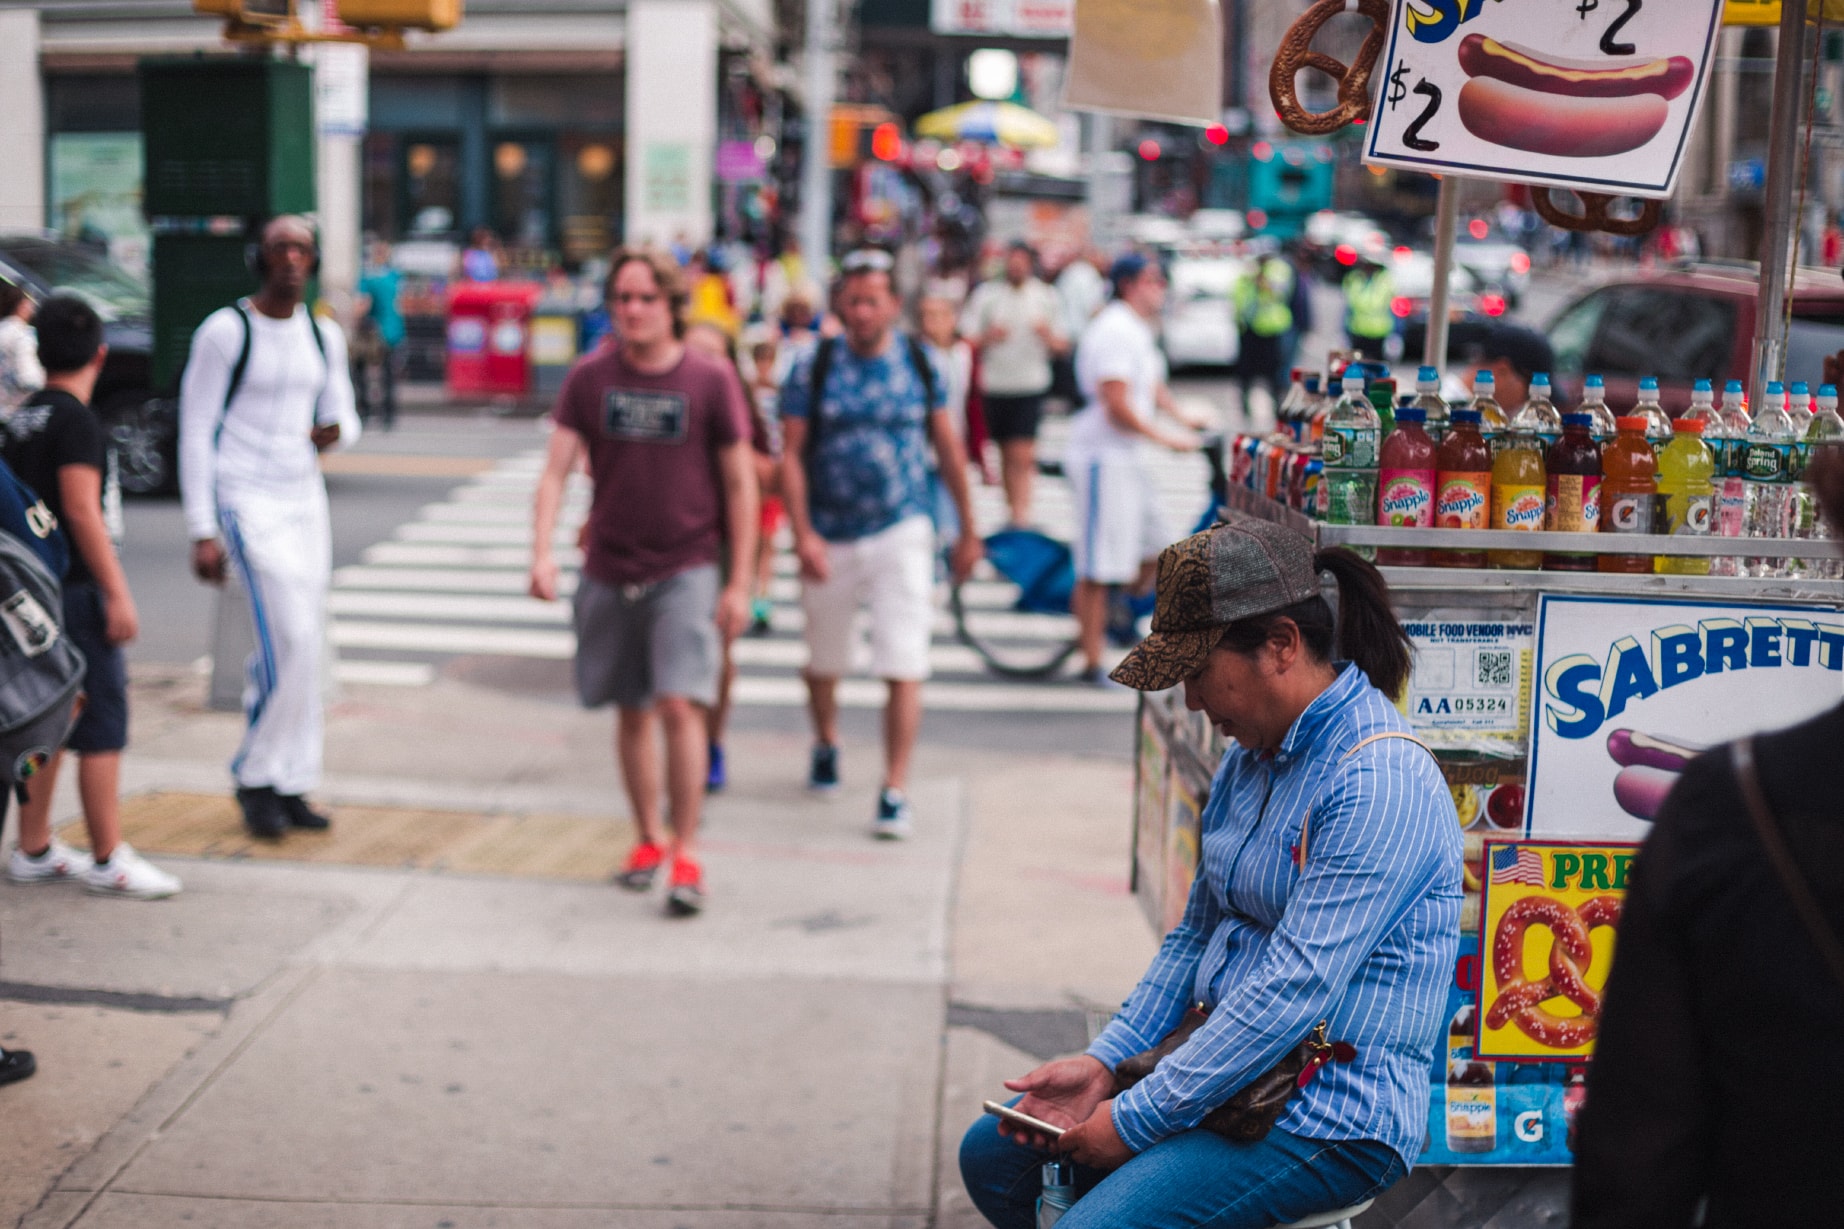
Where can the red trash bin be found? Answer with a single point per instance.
(489, 331)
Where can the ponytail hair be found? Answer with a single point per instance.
(1366, 630)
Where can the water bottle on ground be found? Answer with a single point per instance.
(1686, 470)
(1658, 423)
(1538, 415)
(1059, 1193)
(1824, 437)
(1767, 469)
(1594, 404)
(1352, 432)
(1433, 406)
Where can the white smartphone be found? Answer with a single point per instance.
(1019, 1119)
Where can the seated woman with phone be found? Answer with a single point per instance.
(1273, 1062)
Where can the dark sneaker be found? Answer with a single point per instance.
(685, 888)
(262, 812)
(823, 772)
(759, 624)
(636, 874)
(16, 1065)
(893, 815)
(715, 779)
(300, 815)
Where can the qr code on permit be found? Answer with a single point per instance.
(1494, 668)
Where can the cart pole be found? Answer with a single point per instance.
(1782, 165)
(1446, 218)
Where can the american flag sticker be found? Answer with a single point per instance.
(1517, 864)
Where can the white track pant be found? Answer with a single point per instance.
(282, 552)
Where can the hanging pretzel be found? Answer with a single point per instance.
(1595, 213)
(1296, 52)
(1520, 1001)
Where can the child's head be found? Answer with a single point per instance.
(69, 334)
(937, 318)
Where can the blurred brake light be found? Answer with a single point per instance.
(1345, 254)
(1477, 228)
(1403, 253)
(1520, 262)
(1400, 307)
(1492, 304)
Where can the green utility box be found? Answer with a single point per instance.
(195, 275)
(227, 138)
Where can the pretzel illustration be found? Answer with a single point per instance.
(1520, 1001)
(1595, 215)
(1353, 83)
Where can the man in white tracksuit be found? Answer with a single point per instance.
(266, 389)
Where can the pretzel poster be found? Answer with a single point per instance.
(1629, 691)
(1547, 921)
(1592, 94)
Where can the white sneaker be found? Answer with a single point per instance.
(893, 816)
(127, 873)
(57, 864)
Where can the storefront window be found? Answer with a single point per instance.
(431, 185)
(522, 191)
(589, 195)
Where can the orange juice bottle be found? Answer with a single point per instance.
(1519, 490)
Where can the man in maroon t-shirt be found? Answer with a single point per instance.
(667, 436)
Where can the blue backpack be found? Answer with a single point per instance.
(24, 515)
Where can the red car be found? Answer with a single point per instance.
(1687, 325)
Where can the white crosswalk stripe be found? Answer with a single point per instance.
(452, 583)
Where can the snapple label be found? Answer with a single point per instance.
(1518, 507)
(1462, 502)
(1405, 498)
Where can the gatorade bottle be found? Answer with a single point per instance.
(1538, 416)
(1629, 490)
(1518, 494)
(1572, 502)
(1658, 423)
(1767, 476)
(1594, 404)
(1727, 440)
(1433, 406)
(1825, 437)
(1492, 422)
(1351, 431)
(1463, 480)
(1405, 485)
(1685, 471)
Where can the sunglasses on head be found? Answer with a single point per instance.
(867, 260)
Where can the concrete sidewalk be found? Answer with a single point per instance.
(305, 1044)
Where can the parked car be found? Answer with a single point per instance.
(1333, 241)
(1496, 262)
(1200, 314)
(1690, 324)
(144, 427)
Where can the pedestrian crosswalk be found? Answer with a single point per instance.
(452, 583)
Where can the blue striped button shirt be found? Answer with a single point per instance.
(1364, 937)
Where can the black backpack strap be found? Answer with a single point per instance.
(243, 356)
(816, 393)
(925, 370)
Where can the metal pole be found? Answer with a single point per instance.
(1446, 218)
(1782, 164)
(816, 164)
(1100, 191)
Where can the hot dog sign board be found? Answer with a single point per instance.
(1590, 94)
(1628, 691)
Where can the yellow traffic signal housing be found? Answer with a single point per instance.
(400, 14)
(249, 12)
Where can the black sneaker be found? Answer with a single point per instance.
(262, 812)
(16, 1065)
(300, 815)
(823, 773)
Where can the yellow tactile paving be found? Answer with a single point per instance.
(526, 846)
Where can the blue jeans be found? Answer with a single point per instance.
(1193, 1179)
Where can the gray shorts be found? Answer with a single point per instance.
(635, 642)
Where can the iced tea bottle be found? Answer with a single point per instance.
(1405, 485)
(1518, 496)
(1629, 489)
(1463, 486)
(1573, 499)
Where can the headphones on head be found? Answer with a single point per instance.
(258, 264)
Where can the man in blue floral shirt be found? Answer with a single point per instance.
(858, 415)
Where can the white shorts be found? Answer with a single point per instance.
(891, 573)
(1119, 524)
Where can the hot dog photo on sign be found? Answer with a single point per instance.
(1597, 94)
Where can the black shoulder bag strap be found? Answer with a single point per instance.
(1748, 777)
(925, 371)
(816, 395)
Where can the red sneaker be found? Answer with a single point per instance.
(685, 887)
(642, 863)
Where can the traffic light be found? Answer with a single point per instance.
(886, 142)
(400, 14)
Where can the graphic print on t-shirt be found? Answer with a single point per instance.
(649, 417)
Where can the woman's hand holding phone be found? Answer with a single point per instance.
(1062, 1092)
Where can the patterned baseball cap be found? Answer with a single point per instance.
(1236, 570)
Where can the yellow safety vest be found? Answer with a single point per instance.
(1262, 299)
(1367, 300)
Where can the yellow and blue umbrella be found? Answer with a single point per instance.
(993, 123)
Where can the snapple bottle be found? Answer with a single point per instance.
(1518, 493)
(1629, 489)
(1405, 485)
(1463, 486)
(1573, 503)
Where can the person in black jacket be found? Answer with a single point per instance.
(1718, 1078)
